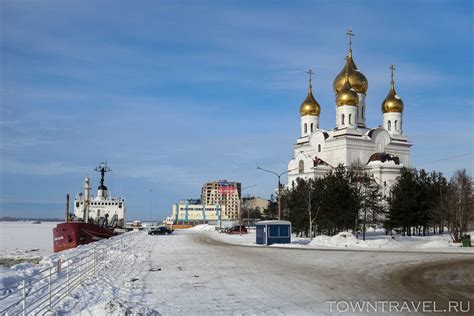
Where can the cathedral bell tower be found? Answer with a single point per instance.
(309, 111)
(392, 109)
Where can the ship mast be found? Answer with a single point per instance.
(102, 168)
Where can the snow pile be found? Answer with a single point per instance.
(8, 280)
(321, 240)
(204, 228)
(346, 239)
(117, 307)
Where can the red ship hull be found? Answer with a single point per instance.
(73, 234)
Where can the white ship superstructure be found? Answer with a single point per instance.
(102, 209)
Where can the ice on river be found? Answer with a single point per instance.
(25, 240)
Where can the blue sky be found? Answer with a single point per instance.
(176, 93)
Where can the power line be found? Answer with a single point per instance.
(443, 159)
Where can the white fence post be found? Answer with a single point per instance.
(67, 276)
(95, 260)
(49, 286)
(23, 303)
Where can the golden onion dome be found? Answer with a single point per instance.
(347, 95)
(392, 103)
(310, 106)
(357, 79)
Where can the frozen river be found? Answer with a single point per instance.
(26, 240)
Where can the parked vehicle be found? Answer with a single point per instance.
(237, 230)
(162, 230)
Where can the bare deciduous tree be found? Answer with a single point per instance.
(460, 208)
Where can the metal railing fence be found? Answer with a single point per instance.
(38, 293)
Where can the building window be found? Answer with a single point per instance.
(342, 119)
(319, 147)
(389, 125)
(301, 167)
(362, 112)
(395, 125)
(350, 119)
(311, 127)
(305, 128)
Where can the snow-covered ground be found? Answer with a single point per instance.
(375, 240)
(195, 272)
(25, 241)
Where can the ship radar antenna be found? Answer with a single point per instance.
(102, 168)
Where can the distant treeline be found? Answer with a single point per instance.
(29, 219)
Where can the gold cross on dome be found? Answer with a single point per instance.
(392, 69)
(349, 32)
(310, 73)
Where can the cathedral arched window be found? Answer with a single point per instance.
(301, 166)
(319, 147)
(305, 128)
(350, 119)
(389, 125)
(342, 119)
(395, 125)
(311, 127)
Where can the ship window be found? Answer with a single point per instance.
(120, 205)
(77, 204)
(82, 203)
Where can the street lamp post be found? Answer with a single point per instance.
(151, 206)
(240, 208)
(279, 186)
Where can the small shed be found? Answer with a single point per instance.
(273, 232)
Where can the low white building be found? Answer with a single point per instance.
(192, 212)
(382, 151)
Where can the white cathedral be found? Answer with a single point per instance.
(381, 151)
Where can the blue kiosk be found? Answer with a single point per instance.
(273, 232)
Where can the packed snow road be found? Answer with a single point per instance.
(192, 273)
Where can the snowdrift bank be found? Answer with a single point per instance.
(345, 239)
(203, 228)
